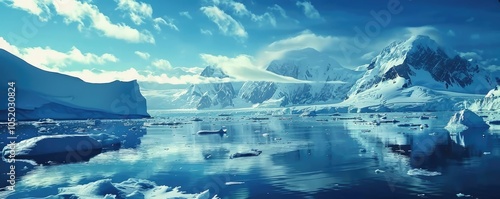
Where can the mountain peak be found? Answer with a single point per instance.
(421, 61)
(212, 71)
(418, 43)
(422, 40)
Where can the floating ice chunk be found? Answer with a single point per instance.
(253, 152)
(234, 183)
(45, 122)
(55, 148)
(309, 114)
(132, 188)
(208, 132)
(460, 195)
(422, 172)
(464, 120)
(43, 130)
(265, 134)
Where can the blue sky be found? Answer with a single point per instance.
(171, 41)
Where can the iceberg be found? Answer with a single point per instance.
(54, 148)
(43, 94)
(464, 120)
(131, 188)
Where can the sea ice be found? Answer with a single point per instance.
(55, 148)
(422, 172)
(131, 188)
(464, 120)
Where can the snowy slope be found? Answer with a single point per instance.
(43, 94)
(210, 95)
(306, 64)
(421, 61)
(490, 102)
(421, 74)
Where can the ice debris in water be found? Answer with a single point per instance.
(460, 195)
(234, 183)
(422, 172)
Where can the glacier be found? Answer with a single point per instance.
(131, 188)
(325, 81)
(208, 95)
(415, 74)
(418, 74)
(490, 102)
(43, 94)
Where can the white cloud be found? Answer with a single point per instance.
(493, 68)
(162, 64)
(185, 14)
(309, 10)
(35, 7)
(169, 22)
(243, 68)
(305, 39)
(143, 55)
(138, 11)
(205, 32)
(74, 11)
(369, 55)
(280, 10)
(430, 31)
(49, 59)
(103, 76)
(227, 24)
(471, 56)
(239, 9)
(252, 68)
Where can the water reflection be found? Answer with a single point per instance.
(300, 157)
(112, 135)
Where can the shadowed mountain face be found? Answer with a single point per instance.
(441, 67)
(423, 62)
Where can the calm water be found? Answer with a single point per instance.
(301, 158)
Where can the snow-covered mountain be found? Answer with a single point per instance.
(210, 95)
(491, 102)
(419, 70)
(319, 72)
(42, 94)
